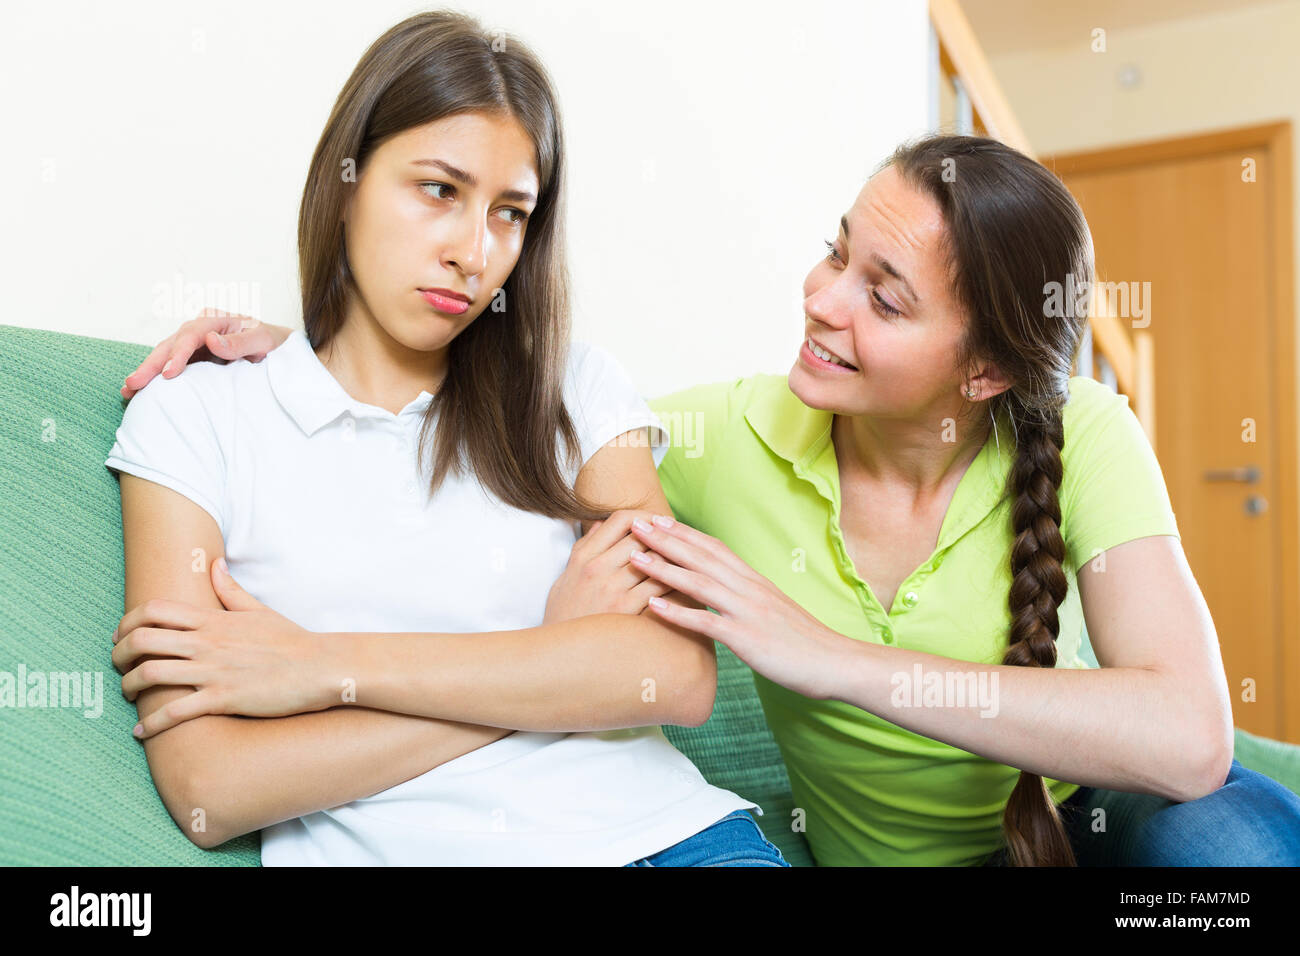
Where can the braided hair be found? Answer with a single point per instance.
(1011, 229)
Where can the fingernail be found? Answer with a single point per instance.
(640, 557)
(641, 525)
(114, 635)
(167, 366)
(664, 521)
(658, 602)
(220, 565)
(139, 728)
(221, 339)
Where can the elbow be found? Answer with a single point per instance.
(693, 673)
(205, 841)
(190, 765)
(191, 807)
(698, 701)
(205, 813)
(1218, 755)
(1213, 748)
(195, 805)
(699, 712)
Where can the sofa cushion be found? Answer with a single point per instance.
(77, 787)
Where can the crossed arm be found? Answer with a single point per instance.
(580, 674)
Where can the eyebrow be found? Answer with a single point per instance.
(468, 179)
(885, 265)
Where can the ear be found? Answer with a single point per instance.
(988, 382)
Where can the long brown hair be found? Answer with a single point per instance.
(500, 407)
(1011, 228)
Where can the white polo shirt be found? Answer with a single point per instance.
(325, 519)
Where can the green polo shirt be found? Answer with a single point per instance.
(753, 466)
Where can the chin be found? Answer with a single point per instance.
(822, 394)
(428, 334)
(806, 387)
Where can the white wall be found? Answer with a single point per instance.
(154, 156)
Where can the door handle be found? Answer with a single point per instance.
(1248, 475)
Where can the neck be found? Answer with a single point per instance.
(375, 368)
(916, 455)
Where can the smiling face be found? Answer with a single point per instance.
(442, 206)
(880, 301)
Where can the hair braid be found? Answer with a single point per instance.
(1032, 824)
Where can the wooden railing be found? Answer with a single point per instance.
(969, 100)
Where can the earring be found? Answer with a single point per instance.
(970, 392)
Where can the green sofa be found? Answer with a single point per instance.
(75, 786)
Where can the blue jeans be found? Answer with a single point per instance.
(735, 840)
(1251, 820)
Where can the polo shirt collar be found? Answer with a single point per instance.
(312, 396)
(788, 426)
(802, 436)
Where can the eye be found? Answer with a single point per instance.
(881, 305)
(436, 186)
(885, 307)
(522, 216)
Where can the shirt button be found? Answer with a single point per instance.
(886, 635)
(910, 599)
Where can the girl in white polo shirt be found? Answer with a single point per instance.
(398, 492)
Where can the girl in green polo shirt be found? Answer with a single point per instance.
(906, 536)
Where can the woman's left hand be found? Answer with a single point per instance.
(246, 659)
(762, 626)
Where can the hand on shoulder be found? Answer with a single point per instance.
(213, 336)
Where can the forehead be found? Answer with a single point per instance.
(899, 222)
(490, 140)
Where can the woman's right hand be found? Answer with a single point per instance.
(598, 578)
(214, 336)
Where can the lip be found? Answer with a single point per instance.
(810, 357)
(445, 300)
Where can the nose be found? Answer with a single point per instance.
(827, 306)
(466, 248)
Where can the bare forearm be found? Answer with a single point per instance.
(599, 672)
(1121, 728)
(259, 771)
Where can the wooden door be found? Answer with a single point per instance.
(1193, 227)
